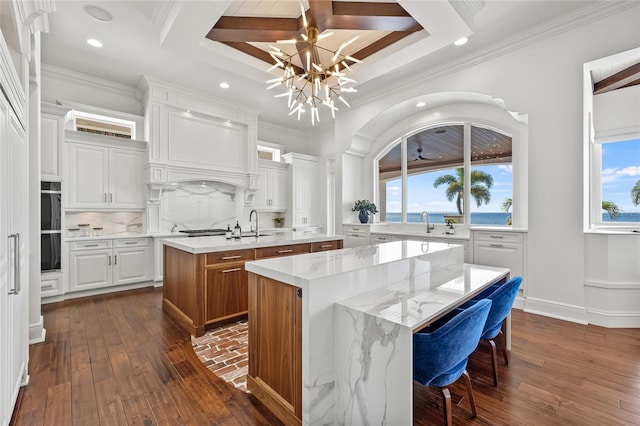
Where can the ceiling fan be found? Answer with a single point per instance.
(419, 157)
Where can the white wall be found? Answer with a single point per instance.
(543, 79)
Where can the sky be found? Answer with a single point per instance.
(423, 196)
(620, 172)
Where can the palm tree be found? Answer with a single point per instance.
(612, 209)
(481, 182)
(506, 205)
(635, 194)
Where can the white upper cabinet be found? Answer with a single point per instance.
(125, 179)
(52, 136)
(272, 187)
(304, 189)
(101, 177)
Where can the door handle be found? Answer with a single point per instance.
(326, 246)
(231, 270)
(115, 259)
(110, 197)
(284, 251)
(105, 197)
(16, 263)
(230, 257)
(109, 261)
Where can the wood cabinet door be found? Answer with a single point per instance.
(275, 344)
(226, 292)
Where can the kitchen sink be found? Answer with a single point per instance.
(253, 234)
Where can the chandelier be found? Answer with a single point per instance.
(313, 75)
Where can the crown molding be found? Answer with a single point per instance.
(75, 77)
(552, 28)
(265, 125)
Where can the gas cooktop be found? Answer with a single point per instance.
(203, 232)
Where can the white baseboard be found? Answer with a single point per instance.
(556, 310)
(614, 319)
(37, 332)
(98, 291)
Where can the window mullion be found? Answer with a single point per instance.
(403, 163)
(467, 173)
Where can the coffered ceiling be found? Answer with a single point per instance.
(194, 44)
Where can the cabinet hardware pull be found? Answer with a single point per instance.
(230, 257)
(231, 270)
(110, 197)
(16, 263)
(115, 259)
(285, 251)
(131, 242)
(90, 245)
(496, 245)
(496, 236)
(105, 197)
(299, 292)
(356, 235)
(326, 246)
(109, 261)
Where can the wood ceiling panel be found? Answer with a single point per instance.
(627, 77)
(442, 147)
(379, 24)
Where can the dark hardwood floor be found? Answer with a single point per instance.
(117, 360)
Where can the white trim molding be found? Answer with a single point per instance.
(562, 311)
(37, 332)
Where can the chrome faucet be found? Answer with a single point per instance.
(429, 226)
(257, 222)
(173, 228)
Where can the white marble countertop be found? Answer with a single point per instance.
(198, 245)
(442, 235)
(301, 269)
(409, 305)
(497, 228)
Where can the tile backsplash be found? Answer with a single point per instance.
(113, 223)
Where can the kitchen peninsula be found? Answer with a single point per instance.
(205, 282)
(330, 334)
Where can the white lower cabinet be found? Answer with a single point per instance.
(51, 284)
(500, 248)
(107, 263)
(448, 240)
(356, 235)
(384, 238)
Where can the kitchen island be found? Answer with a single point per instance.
(205, 282)
(330, 334)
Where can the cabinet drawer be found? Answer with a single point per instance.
(229, 256)
(348, 229)
(264, 252)
(90, 245)
(326, 245)
(506, 237)
(381, 238)
(134, 242)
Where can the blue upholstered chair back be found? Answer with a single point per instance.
(502, 300)
(440, 356)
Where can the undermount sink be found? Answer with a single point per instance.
(253, 234)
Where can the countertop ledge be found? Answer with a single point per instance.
(201, 245)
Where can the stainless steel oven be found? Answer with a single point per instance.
(50, 226)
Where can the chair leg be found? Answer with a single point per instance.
(446, 402)
(472, 400)
(503, 331)
(494, 362)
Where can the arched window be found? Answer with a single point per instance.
(442, 169)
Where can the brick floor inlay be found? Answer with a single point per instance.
(225, 352)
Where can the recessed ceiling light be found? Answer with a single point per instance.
(97, 13)
(224, 85)
(93, 42)
(421, 104)
(461, 41)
